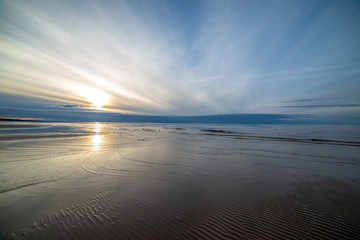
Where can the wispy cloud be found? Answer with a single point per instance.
(315, 100)
(71, 106)
(325, 106)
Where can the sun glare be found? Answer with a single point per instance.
(96, 97)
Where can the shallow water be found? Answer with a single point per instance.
(172, 181)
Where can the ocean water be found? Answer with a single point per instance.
(179, 181)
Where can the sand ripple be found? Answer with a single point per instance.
(185, 214)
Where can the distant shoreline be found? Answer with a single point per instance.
(20, 119)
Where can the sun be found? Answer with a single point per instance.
(95, 96)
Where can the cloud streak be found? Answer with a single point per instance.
(325, 106)
(316, 100)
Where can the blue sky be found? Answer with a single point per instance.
(181, 57)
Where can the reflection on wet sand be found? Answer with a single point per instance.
(135, 182)
(97, 142)
(97, 138)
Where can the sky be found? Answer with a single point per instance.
(179, 57)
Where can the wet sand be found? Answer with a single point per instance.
(129, 181)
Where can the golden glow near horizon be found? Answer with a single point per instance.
(95, 96)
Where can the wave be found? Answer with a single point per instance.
(283, 139)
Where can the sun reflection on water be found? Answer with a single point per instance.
(97, 128)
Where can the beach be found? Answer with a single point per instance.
(179, 181)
